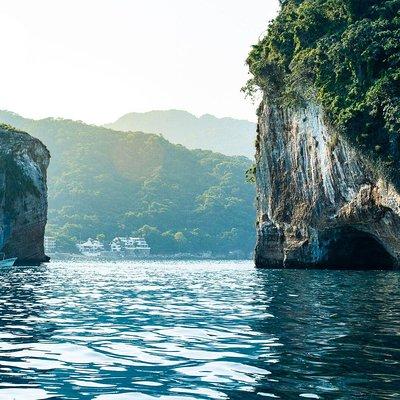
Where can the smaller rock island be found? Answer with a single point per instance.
(23, 196)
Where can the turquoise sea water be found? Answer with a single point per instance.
(197, 330)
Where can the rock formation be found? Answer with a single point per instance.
(319, 202)
(23, 196)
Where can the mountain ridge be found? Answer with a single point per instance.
(225, 135)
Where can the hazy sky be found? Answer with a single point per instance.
(95, 60)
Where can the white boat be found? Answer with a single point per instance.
(6, 262)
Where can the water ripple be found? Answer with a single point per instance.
(197, 330)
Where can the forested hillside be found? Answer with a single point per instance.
(105, 183)
(224, 135)
(344, 54)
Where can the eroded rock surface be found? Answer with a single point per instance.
(319, 203)
(23, 195)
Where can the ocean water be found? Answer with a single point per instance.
(197, 330)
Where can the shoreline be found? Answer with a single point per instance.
(158, 257)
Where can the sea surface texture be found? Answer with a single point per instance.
(197, 330)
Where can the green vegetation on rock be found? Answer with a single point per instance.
(105, 183)
(344, 54)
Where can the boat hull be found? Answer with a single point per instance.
(8, 262)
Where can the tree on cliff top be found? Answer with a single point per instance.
(345, 54)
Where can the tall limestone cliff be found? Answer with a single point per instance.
(328, 145)
(319, 203)
(23, 196)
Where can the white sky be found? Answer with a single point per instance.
(95, 60)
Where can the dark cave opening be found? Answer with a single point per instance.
(349, 248)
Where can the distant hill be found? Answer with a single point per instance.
(105, 183)
(224, 135)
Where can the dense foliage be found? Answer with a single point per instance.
(346, 55)
(104, 183)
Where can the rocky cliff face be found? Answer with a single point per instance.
(319, 202)
(23, 195)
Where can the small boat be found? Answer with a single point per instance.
(6, 262)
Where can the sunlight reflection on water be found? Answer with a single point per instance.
(197, 330)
